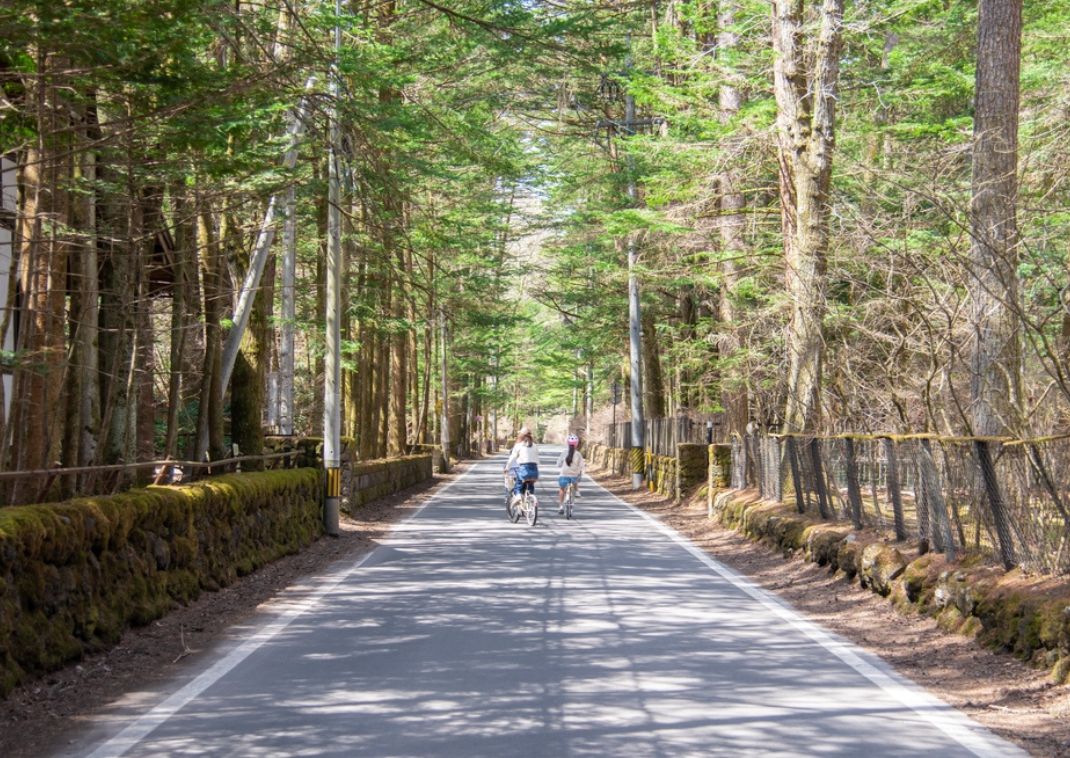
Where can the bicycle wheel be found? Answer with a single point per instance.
(513, 509)
(568, 501)
(531, 509)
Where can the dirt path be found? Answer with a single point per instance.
(35, 717)
(997, 690)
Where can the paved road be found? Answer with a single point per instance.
(466, 635)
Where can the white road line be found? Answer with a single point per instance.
(148, 722)
(959, 727)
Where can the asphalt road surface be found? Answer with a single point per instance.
(467, 635)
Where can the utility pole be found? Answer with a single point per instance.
(444, 424)
(332, 384)
(635, 331)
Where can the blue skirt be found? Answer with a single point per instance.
(522, 472)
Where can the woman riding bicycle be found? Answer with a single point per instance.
(570, 469)
(523, 463)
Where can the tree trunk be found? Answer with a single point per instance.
(185, 240)
(733, 385)
(653, 378)
(42, 271)
(210, 411)
(995, 388)
(805, 82)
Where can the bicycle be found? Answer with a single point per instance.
(570, 498)
(527, 506)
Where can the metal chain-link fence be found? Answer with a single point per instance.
(1007, 499)
(662, 435)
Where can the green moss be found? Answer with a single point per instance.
(950, 619)
(917, 581)
(89, 567)
(1060, 672)
(971, 627)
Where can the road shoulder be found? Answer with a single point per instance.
(36, 718)
(1011, 699)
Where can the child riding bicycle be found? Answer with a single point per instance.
(570, 469)
(523, 463)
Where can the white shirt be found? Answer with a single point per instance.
(576, 469)
(523, 453)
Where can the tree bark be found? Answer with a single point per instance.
(42, 272)
(732, 204)
(210, 411)
(653, 378)
(995, 387)
(805, 84)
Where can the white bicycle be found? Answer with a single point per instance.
(570, 499)
(527, 505)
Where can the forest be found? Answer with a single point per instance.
(798, 216)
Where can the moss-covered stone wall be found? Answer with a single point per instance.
(661, 474)
(370, 480)
(1024, 615)
(74, 574)
(613, 459)
(661, 470)
(693, 462)
(438, 462)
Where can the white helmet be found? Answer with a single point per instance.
(573, 440)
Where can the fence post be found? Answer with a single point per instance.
(854, 490)
(934, 497)
(995, 503)
(796, 477)
(819, 478)
(737, 476)
(773, 468)
(754, 457)
(894, 493)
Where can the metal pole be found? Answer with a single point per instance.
(444, 425)
(332, 410)
(635, 333)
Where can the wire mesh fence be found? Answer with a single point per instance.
(662, 435)
(1007, 499)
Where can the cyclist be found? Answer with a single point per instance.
(570, 466)
(523, 463)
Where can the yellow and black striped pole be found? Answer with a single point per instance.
(332, 502)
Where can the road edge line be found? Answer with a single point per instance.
(970, 734)
(145, 724)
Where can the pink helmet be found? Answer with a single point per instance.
(573, 440)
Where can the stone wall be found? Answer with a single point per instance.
(438, 462)
(661, 474)
(371, 480)
(74, 575)
(364, 481)
(1009, 610)
(692, 466)
(665, 474)
(612, 459)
